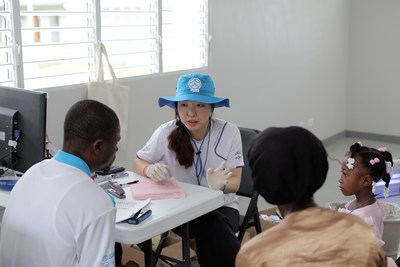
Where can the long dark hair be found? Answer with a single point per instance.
(179, 142)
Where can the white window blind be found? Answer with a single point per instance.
(129, 30)
(57, 41)
(6, 49)
(184, 34)
(46, 43)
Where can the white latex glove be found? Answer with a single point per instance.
(157, 172)
(218, 176)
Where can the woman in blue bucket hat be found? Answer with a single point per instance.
(200, 149)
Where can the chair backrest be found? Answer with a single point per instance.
(246, 189)
(246, 184)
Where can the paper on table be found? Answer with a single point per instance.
(146, 188)
(127, 208)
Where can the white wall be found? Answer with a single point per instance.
(281, 61)
(374, 71)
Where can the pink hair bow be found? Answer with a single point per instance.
(373, 161)
(382, 149)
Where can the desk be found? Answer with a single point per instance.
(167, 214)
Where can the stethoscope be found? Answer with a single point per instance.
(198, 163)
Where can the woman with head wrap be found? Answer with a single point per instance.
(289, 165)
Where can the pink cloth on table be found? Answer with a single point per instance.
(146, 188)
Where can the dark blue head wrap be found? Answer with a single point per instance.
(288, 164)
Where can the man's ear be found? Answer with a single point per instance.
(97, 146)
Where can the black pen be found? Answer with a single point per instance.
(136, 215)
(133, 182)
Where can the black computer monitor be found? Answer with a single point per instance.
(22, 128)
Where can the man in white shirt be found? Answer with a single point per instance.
(56, 214)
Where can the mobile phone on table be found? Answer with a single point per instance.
(140, 218)
(111, 170)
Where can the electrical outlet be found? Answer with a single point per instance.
(302, 124)
(310, 122)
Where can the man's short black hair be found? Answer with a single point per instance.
(88, 120)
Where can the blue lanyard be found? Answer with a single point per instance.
(219, 139)
(198, 164)
(360, 205)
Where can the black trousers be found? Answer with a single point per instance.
(118, 253)
(214, 232)
(216, 242)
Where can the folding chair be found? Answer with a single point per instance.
(251, 217)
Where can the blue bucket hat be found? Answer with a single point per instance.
(194, 87)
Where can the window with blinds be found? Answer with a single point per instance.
(47, 43)
(57, 41)
(7, 57)
(184, 34)
(130, 32)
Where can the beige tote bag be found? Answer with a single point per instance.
(110, 92)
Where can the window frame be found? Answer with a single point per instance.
(18, 75)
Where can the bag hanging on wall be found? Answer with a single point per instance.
(110, 92)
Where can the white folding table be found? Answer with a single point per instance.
(166, 215)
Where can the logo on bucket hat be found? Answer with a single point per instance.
(194, 85)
